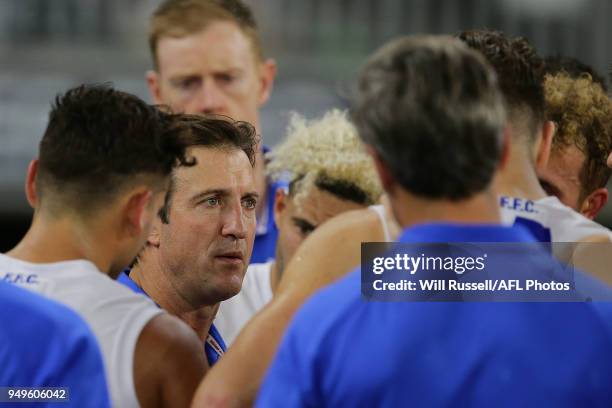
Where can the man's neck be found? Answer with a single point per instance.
(518, 178)
(149, 276)
(63, 239)
(411, 210)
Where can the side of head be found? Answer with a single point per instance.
(577, 172)
(206, 228)
(520, 73)
(329, 172)
(208, 58)
(104, 152)
(430, 110)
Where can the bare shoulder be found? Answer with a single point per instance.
(168, 362)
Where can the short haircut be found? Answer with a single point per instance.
(326, 153)
(520, 73)
(214, 132)
(432, 110)
(99, 141)
(582, 113)
(180, 18)
(573, 67)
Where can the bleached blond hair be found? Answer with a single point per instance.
(321, 152)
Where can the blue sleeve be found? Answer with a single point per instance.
(288, 381)
(45, 344)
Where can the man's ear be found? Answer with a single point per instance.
(30, 184)
(280, 203)
(594, 203)
(153, 83)
(543, 148)
(136, 212)
(267, 73)
(385, 176)
(154, 236)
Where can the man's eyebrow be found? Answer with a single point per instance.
(251, 194)
(302, 223)
(210, 192)
(221, 192)
(183, 77)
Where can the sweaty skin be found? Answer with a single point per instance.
(328, 254)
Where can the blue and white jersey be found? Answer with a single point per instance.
(341, 350)
(266, 233)
(214, 346)
(114, 313)
(44, 344)
(549, 220)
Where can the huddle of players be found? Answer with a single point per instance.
(447, 132)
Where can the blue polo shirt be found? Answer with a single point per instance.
(343, 351)
(44, 344)
(214, 346)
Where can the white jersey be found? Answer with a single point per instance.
(235, 312)
(549, 219)
(115, 314)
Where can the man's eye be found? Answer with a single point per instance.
(250, 203)
(212, 202)
(226, 78)
(187, 83)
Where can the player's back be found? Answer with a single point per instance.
(550, 220)
(44, 344)
(344, 351)
(115, 314)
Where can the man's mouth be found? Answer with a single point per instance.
(230, 257)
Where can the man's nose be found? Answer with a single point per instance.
(210, 99)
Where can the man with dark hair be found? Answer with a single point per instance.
(198, 250)
(577, 172)
(101, 175)
(523, 200)
(329, 173)
(208, 59)
(45, 344)
(423, 102)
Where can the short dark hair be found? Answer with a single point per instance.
(99, 140)
(520, 73)
(573, 67)
(179, 18)
(431, 109)
(215, 132)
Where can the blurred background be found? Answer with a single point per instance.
(47, 46)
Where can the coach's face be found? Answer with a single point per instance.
(213, 71)
(206, 245)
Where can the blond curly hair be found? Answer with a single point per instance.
(582, 113)
(326, 153)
